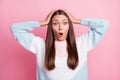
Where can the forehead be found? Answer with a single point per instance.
(59, 18)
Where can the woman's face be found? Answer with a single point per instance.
(60, 27)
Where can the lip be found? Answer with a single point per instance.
(60, 33)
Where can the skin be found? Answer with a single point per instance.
(60, 27)
(60, 24)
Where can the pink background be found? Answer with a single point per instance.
(18, 64)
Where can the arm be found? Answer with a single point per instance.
(97, 29)
(22, 34)
(24, 37)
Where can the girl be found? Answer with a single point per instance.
(61, 56)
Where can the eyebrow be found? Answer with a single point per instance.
(57, 20)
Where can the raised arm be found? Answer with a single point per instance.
(22, 34)
(97, 29)
(24, 37)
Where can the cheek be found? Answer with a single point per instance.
(54, 30)
(66, 32)
(66, 29)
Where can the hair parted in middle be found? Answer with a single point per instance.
(72, 60)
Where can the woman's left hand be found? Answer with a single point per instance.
(73, 19)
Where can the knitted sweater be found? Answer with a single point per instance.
(36, 45)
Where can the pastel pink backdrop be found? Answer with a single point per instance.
(18, 64)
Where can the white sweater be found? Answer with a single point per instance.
(36, 45)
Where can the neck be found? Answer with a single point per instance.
(61, 48)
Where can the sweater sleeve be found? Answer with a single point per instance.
(22, 34)
(97, 29)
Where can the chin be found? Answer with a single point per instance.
(61, 39)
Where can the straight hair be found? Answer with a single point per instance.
(72, 60)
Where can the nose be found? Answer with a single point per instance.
(60, 27)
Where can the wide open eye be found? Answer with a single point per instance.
(55, 24)
(65, 23)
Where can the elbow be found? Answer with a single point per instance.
(13, 28)
(106, 24)
(104, 27)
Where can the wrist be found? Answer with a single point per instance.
(43, 23)
(76, 21)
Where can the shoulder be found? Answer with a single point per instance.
(83, 42)
(38, 44)
(83, 39)
(38, 41)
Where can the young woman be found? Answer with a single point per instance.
(61, 56)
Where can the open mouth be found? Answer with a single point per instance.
(60, 33)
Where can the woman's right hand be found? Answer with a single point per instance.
(47, 20)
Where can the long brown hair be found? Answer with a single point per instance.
(72, 60)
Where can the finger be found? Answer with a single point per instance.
(50, 14)
(53, 11)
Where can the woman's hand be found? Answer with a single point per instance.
(47, 20)
(73, 19)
